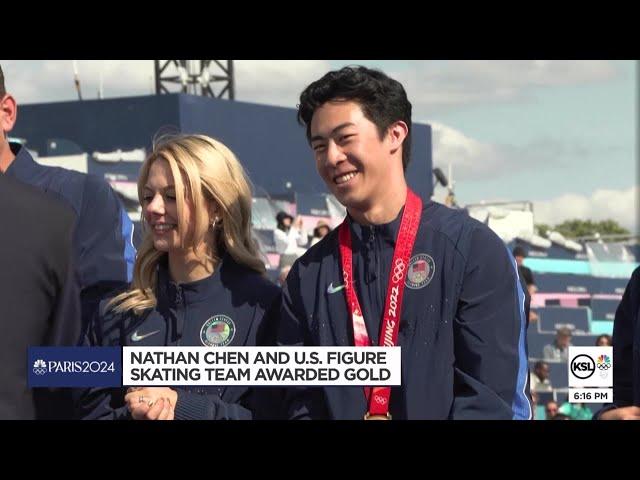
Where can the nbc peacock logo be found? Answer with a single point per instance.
(603, 362)
(39, 367)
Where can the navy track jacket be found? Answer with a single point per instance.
(232, 307)
(462, 330)
(104, 254)
(626, 348)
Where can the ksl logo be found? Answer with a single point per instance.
(583, 366)
(590, 367)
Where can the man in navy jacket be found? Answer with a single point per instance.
(104, 254)
(462, 328)
(626, 357)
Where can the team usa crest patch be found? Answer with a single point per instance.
(218, 331)
(421, 271)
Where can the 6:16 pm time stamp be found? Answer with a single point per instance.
(591, 395)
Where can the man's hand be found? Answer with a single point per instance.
(622, 413)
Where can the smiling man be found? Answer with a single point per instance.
(400, 272)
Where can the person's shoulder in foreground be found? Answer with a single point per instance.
(626, 357)
(38, 292)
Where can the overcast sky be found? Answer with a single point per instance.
(559, 133)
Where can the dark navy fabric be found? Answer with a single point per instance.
(626, 348)
(248, 299)
(104, 254)
(38, 294)
(463, 333)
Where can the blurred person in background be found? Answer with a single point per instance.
(290, 238)
(559, 349)
(322, 230)
(551, 409)
(540, 377)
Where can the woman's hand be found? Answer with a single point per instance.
(151, 403)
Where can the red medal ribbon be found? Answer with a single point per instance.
(378, 397)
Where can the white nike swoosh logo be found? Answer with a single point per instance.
(332, 289)
(136, 338)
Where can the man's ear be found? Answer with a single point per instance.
(396, 134)
(8, 113)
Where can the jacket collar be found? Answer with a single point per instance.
(387, 231)
(189, 292)
(23, 167)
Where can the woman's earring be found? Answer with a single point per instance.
(215, 221)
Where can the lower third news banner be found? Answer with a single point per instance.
(353, 366)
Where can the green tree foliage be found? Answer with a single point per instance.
(583, 228)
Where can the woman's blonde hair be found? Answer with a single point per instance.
(204, 171)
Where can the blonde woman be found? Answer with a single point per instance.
(198, 280)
